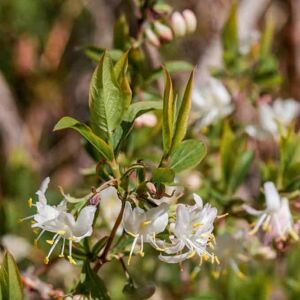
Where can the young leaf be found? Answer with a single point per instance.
(120, 70)
(240, 170)
(88, 134)
(10, 280)
(163, 175)
(183, 114)
(121, 33)
(139, 108)
(91, 284)
(105, 99)
(226, 152)
(168, 113)
(187, 155)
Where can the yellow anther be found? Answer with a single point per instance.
(71, 260)
(253, 231)
(129, 260)
(195, 225)
(35, 231)
(160, 249)
(33, 222)
(61, 256)
(141, 253)
(241, 275)
(192, 254)
(71, 238)
(212, 259)
(19, 221)
(46, 260)
(293, 234)
(211, 245)
(147, 223)
(51, 242)
(205, 257)
(61, 232)
(200, 261)
(215, 274)
(29, 202)
(217, 260)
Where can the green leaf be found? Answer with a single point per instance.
(138, 292)
(187, 155)
(88, 134)
(172, 67)
(183, 114)
(120, 70)
(121, 33)
(230, 37)
(91, 284)
(10, 281)
(241, 167)
(95, 53)
(139, 108)
(226, 153)
(105, 99)
(163, 175)
(168, 113)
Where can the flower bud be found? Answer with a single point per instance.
(151, 188)
(95, 199)
(178, 24)
(190, 20)
(164, 32)
(152, 37)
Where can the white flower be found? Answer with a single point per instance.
(110, 206)
(56, 219)
(144, 225)
(276, 219)
(192, 232)
(65, 227)
(45, 212)
(211, 102)
(274, 118)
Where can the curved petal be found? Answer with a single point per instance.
(272, 196)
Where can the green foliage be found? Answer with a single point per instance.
(91, 285)
(163, 175)
(187, 155)
(235, 160)
(105, 99)
(183, 114)
(168, 113)
(10, 281)
(88, 134)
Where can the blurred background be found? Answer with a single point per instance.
(44, 75)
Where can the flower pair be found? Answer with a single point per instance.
(191, 233)
(57, 220)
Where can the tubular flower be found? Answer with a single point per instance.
(192, 232)
(65, 228)
(211, 101)
(276, 219)
(144, 225)
(45, 212)
(274, 119)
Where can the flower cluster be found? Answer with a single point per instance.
(56, 220)
(191, 232)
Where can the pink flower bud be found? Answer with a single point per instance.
(190, 20)
(178, 24)
(164, 32)
(95, 199)
(152, 37)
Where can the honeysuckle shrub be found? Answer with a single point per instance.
(182, 198)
